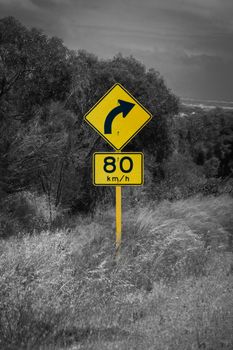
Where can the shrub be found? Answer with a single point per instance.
(182, 178)
(24, 212)
(211, 167)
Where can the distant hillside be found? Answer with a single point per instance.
(206, 104)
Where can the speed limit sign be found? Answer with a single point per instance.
(118, 169)
(118, 117)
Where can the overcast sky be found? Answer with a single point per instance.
(190, 42)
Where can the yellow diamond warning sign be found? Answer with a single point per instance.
(118, 117)
(118, 169)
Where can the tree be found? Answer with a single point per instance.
(45, 91)
(34, 70)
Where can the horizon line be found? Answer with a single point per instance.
(206, 100)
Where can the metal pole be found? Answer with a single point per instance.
(118, 219)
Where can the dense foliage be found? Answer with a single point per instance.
(45, 90)
(208, 138)
(45, 147)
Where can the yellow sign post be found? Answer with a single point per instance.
(118, 219)
(118, 117)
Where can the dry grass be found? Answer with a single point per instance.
(171, 288)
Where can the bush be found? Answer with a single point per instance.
(23, 213)
(211, 167)
(182, 178)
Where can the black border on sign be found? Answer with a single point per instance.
(116, 154)
(102, 135)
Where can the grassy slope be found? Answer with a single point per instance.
(171, 288)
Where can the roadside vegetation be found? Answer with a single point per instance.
(61, 285)
(170, 288)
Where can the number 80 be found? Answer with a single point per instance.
(110, 164)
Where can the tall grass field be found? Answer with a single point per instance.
(171, 287)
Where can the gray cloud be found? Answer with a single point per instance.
(188, 41)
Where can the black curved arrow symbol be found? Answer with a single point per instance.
(124, 108)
